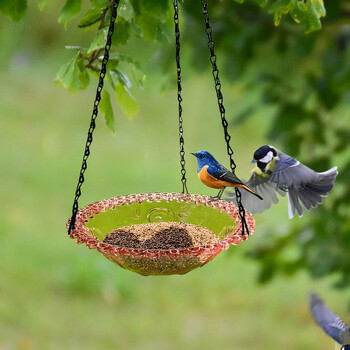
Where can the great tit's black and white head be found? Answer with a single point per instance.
(345, 347)
(263, 156)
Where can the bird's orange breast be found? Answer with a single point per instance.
(210, 181)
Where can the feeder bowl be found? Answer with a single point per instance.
(160, 233)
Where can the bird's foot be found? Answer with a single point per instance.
(218, 197)
(214, 199)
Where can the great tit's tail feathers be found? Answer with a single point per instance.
(325, 182)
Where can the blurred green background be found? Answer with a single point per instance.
(280, 87)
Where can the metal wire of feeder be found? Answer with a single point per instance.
(160, 233)
(220, 220)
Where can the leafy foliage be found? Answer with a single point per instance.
(146, 20)
(14, 9)
(107, 109)
(73, 75)
(149, 20)
(301, 11)
(69, 11)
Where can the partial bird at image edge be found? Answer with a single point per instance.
(331, 323)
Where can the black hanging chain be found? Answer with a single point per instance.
(114, 8)
(179, 98)
(209, 31)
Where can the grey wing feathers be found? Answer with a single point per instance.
(328, 321)
(267, 190)
(304, 186)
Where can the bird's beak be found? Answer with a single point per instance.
(194, 154)
(253, 161)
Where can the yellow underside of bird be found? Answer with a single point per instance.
(270, 168)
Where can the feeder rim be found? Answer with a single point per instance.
(83, 235)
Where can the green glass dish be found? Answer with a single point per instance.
(95, 221)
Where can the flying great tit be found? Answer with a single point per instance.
(277, 173)
(331, 324)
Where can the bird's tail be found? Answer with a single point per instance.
(245, 187)
(311, 194)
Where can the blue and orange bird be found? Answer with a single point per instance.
(215, 175)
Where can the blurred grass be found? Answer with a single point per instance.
(57, 295)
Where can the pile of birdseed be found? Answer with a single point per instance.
(161, 235)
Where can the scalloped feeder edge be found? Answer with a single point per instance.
(159, 261)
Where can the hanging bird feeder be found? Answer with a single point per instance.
(160, 233)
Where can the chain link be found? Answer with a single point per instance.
(114, 7)
(179, 97)
(215, 72)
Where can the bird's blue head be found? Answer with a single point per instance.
(345, 347)
(204, 158)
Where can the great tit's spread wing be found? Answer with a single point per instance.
(303, 185)
(289, 171)
(287, 175)
(328, 321)
(266, 189)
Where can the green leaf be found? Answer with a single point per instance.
(319, 7)
(313, 22)
(83, 74)
(99, 41)
(121, 33)
(107, 110)
(73, 75)
(91, 17)
(239, 1)
(277, 18)
(136, 4)
(279, 6)
(14, 9)
(69, 11)
(100, 3)
(125, 100)
(147, 25)
(42, 4)
(126, 10)
(298, 12)
(261, 3)
(138, 75)
(162, 33)
(123, 78)
(157, 8)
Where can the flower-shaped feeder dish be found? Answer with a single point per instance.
(160, 233)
